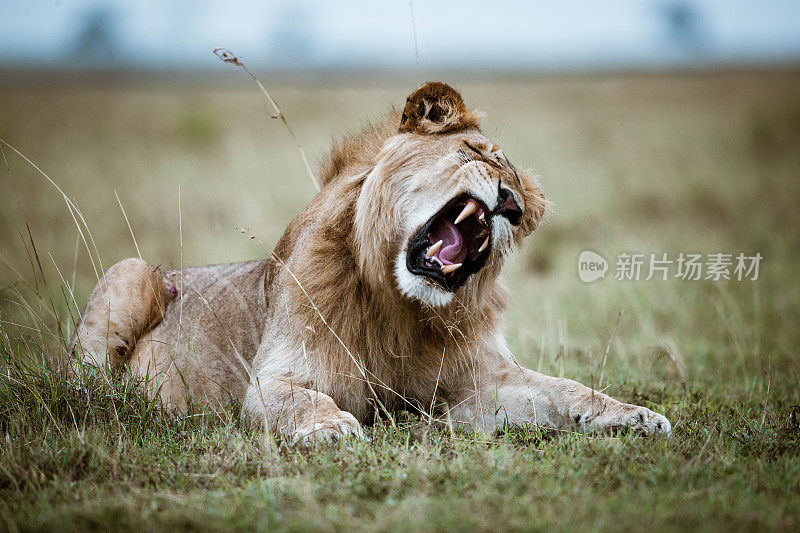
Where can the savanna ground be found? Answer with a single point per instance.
(657, 163)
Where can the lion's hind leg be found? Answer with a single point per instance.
(129, 300)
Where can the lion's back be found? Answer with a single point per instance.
(209, 333)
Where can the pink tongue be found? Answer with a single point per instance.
(453, 249)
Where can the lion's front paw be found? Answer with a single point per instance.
(648, 422)
(613, 418)
(342, 426)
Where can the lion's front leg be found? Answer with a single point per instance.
(518, 396)
(305, 415)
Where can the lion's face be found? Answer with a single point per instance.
(443, 209)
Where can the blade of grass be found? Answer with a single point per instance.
(229, 57)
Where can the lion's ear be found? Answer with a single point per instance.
(436, 108)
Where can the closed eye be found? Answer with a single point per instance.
(495, 164)
(481, 157)
(513, 168)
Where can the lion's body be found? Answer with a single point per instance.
(193, 351)
(338, 323)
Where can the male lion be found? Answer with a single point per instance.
(384, 293)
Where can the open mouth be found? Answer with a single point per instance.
(452, 244)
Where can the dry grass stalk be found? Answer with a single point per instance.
(135, 244)
(608, 347)
(766, 398)
(74, 212)
(416, 43)
(229, 57)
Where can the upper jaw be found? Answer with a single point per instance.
(464, 228)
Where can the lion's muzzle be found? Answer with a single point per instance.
(452, 244)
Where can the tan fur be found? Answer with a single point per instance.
(333, 327)
(129, 300)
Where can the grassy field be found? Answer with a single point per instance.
(700, 163)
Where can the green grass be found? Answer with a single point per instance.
(694, 163)
(103, 456)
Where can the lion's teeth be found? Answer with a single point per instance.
(482, 217)
(470, 208)
(484, 245)
(447, 269)
(433, 249)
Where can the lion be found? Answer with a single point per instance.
(383, 294)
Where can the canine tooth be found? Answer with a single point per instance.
(482, 217)
(484, 245)
(433, 249)
(471, 207)
(447, 269)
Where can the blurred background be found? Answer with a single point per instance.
(662, 126)
(355, 34)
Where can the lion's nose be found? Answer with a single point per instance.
(508, 206)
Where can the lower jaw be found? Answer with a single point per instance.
(448, 285)
(447, 282)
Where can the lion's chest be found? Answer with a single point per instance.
(402, 375)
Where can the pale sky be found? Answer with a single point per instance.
(355, 33)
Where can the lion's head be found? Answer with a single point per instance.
(440, 206)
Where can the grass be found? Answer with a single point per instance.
(669, 163)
